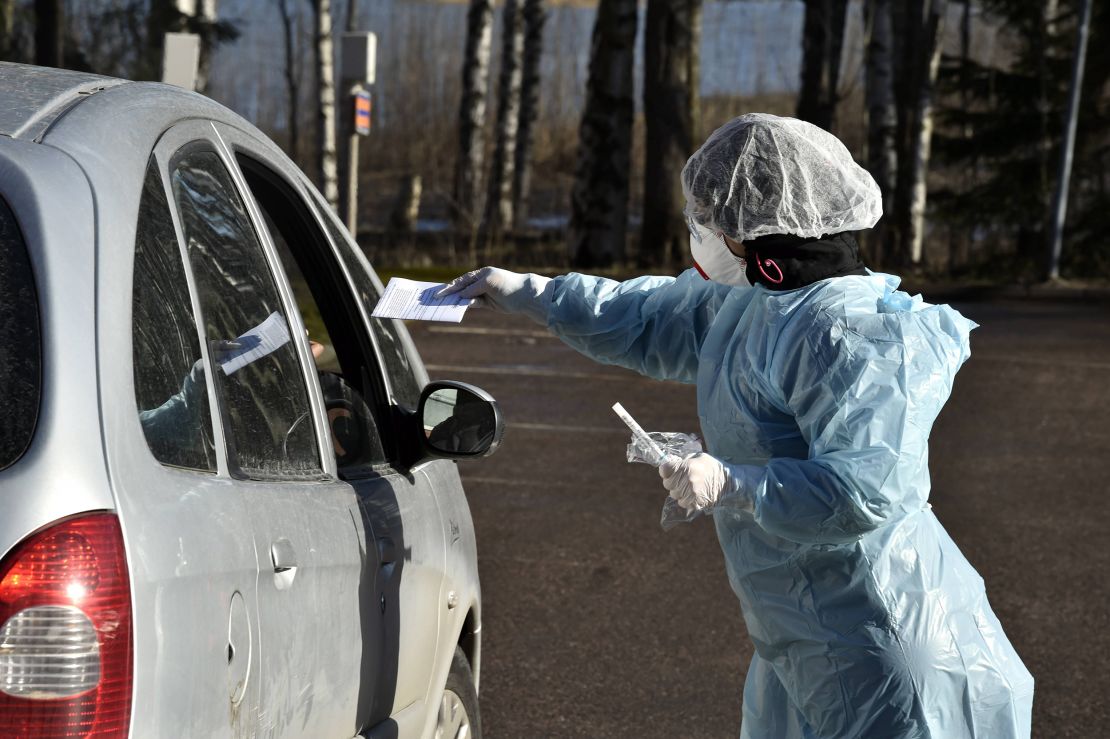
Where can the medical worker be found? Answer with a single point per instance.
(818, 383)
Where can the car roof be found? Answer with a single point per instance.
(34, 97)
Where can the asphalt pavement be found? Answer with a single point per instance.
(597, 623)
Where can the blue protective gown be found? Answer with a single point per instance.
(867, 620)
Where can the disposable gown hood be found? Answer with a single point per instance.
(760, 174)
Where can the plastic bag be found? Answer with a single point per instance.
(673, 444)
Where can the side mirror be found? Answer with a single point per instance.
(459, 421)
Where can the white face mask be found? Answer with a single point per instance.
(714, 260)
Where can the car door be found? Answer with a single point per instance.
(397, 505)
(308, 536)
(191, 552)
(422, 638)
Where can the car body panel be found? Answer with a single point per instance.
(63, 471)
(194, 570)
(409, 588)
(40, 95)
(198, 577)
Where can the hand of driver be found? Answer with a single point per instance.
(695, 481)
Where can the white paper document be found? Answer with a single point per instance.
(416, 300)
(265, 338)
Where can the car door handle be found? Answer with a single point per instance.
(387, 552)
(283, 556)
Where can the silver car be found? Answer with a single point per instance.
(228, 505)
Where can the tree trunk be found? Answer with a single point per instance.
(352, 16)
(406, 208)
(965, 59)
(907, 22)
(1047, 32)
(207, 12)
(923, 125)
(961, 238)
(7, 26)
(48, 33)
(292, 79)
(534, 18)
(671, 41)
(882, 117)
(325, 115)
(822, 44)
(472, 120)
(599, 198)
(499, 201)
(163, 16)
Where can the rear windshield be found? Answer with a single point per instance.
(20, 343)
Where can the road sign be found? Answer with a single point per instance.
(358, 56)
(180, 57)
(362, 112)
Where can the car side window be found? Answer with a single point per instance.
(20, 342)
(264, 400)
(403, 378)
(343, 354)
(170, 387)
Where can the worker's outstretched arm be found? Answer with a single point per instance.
(652, 325)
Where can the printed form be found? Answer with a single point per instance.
(262, 340)
(415, 300)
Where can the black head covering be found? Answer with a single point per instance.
(786, 262)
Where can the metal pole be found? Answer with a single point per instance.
(350, 215)
(350, 189)
(1072, 120)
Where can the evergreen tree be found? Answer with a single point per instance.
(1000, 135)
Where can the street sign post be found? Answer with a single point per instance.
(357, 67)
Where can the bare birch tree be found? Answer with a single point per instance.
(472, 119)
(822, 45)
(534, 18)
(325, 115)
(671, 40)
(599, 199)
(923, 126)
(499, 200)
(882, 115)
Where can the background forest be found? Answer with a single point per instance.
(551, 133)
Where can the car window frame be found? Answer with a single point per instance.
(384, 404)
(402, 335)
(202, 134)
(194, 308)
(356, 333)
(418, 366)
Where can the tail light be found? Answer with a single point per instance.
(65, 633)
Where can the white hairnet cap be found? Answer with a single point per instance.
(761, 174)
